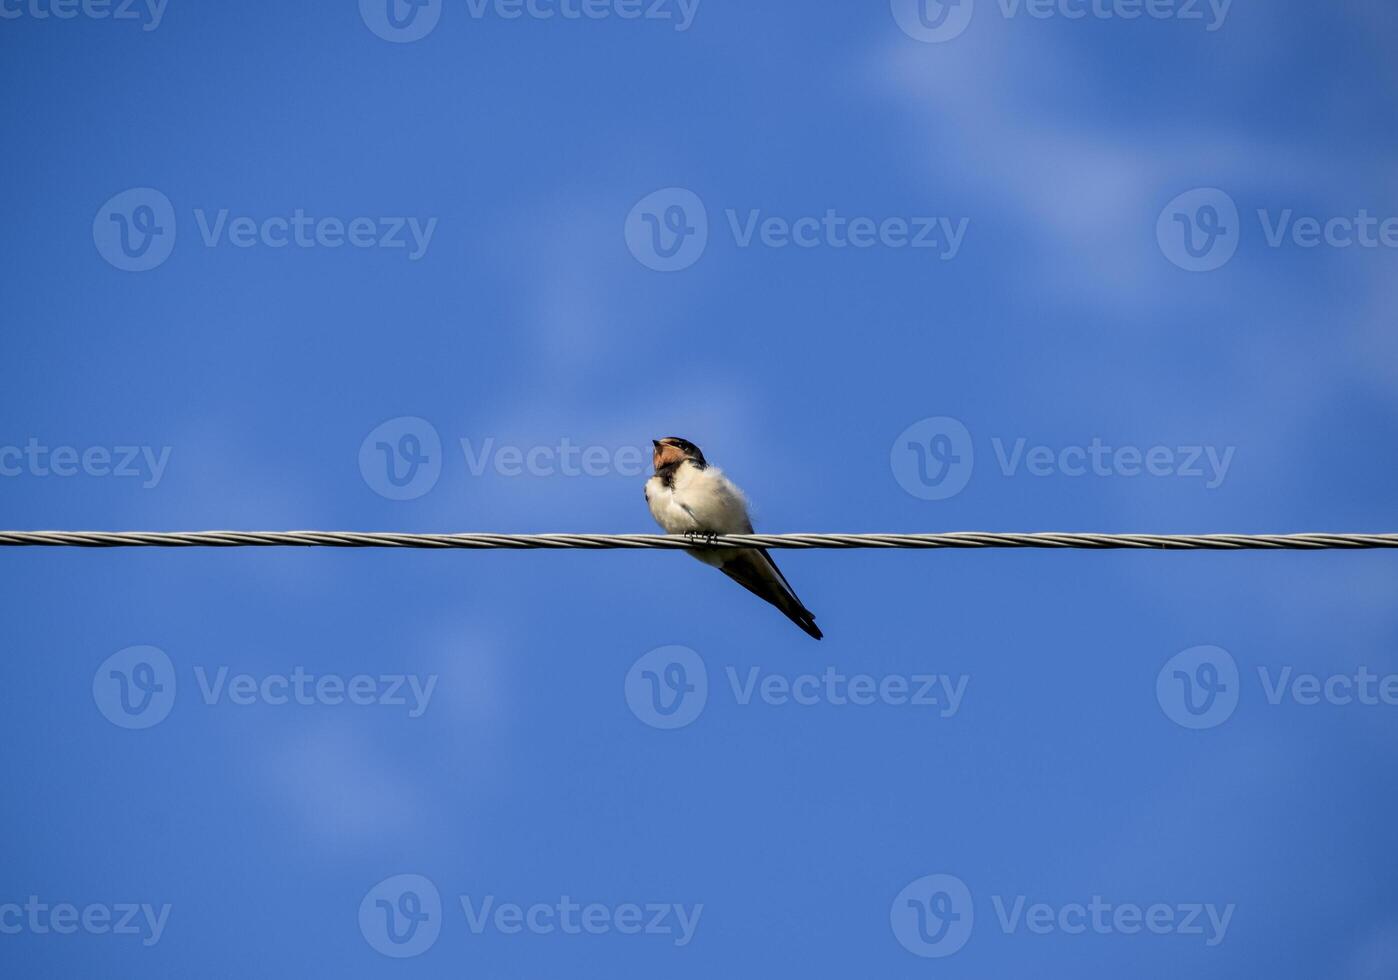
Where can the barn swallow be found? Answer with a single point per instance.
(688, 496)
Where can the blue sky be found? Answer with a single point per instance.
(1004, 269)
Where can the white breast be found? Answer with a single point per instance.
(700, 500)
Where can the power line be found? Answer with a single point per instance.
(953, 539)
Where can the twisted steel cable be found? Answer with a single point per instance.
(951, 539)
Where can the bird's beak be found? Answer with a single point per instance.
(655, 443)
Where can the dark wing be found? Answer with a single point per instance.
(754, 570)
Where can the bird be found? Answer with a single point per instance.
(687, 495)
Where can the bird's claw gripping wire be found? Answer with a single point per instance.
(702, 537)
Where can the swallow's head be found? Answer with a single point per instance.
(672, 450)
